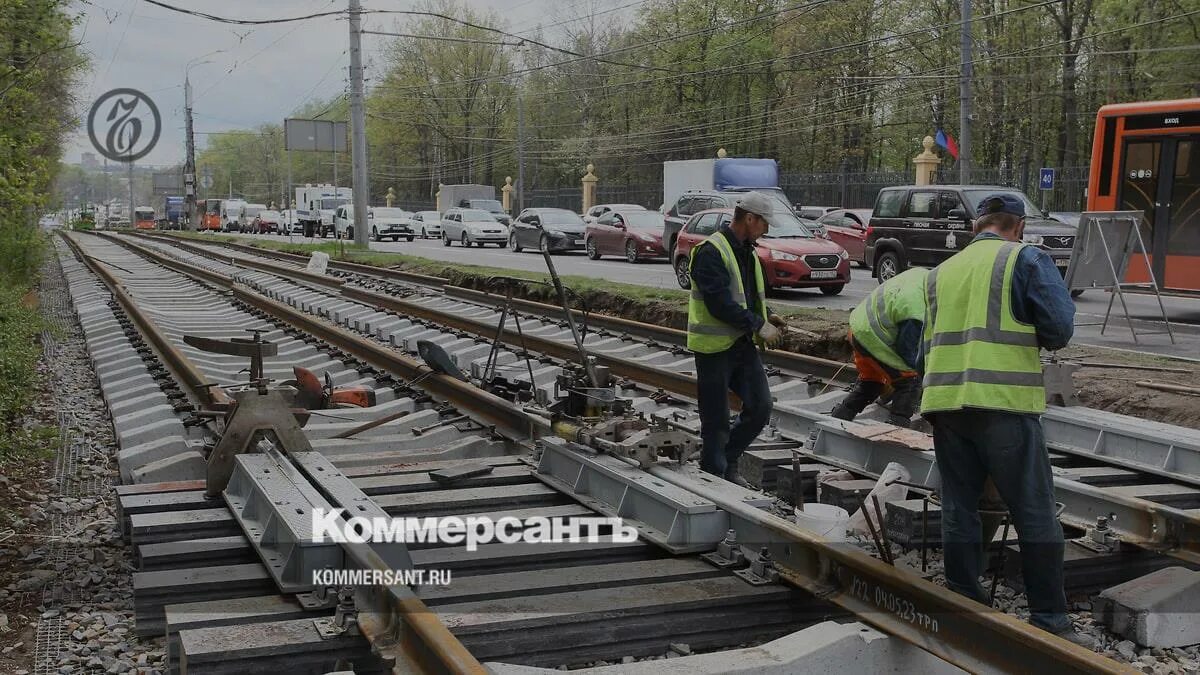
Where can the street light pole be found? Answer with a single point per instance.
(358, 131)
(964, 98)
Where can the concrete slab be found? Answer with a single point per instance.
(127, 438)
(138, 456)
(1157, 610)
(189, 465)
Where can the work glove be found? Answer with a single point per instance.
(770, 334)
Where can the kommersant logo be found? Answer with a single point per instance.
(329, 525)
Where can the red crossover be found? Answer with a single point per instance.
(791, 256)
(637, 235)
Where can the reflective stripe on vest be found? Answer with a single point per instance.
(706, 333)
(874, 321)
(977, 354)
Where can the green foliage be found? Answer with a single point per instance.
(39, 61)
(19, 350)
(812, 84)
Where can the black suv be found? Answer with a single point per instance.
(920, 226)
(695, 201)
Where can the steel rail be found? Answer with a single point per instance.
(1117, 443)
(972, 636)
(400, 627)
(823, 368)
(975, 637)
(1136, 521)
(302, 260)
(185, 371)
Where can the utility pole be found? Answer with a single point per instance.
(358, 131)
(520, 149)
(521, 135)
(189, 167)
(130, 214)
(964, 99)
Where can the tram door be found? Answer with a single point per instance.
(1161, 177)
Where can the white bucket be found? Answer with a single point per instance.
(825, 520)
(317, 262)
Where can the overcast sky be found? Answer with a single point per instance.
(263, 74)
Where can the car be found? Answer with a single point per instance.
(288, 224)
(551, 229)
(427, 224)
(814, 212)
(1069, 217)
(695, 201)
(600, 209)
(635, 234)
(920, 226)
(266, 221)
(848, 227)
(791, 255)
(248, 216)
(389, 221)
(472, 226)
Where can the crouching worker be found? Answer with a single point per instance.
(885, 333)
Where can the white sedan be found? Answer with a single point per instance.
(391, 222)
(472, 226)
(427, 224)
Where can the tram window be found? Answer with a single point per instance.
(1139, 185)
(1184, 238)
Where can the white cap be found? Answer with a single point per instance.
(758, 204)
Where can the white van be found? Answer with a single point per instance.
(231, 214)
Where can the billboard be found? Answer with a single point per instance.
(168, 183)
(315, 135)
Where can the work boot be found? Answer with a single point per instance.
(734, 477)
(1075, 637)
(861, 395)
(897, 420)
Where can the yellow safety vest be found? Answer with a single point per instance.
(977, 354)
(706, 333)
(874, 320)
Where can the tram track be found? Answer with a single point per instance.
(1148, 490)
(984, 640)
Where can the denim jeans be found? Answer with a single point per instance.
(972, 445)
(739, 370)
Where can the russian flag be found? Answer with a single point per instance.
(947, 141)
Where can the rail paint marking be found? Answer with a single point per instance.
(888, 601)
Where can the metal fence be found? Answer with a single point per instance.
(845, 189)
(561, 198)
(1069, 192)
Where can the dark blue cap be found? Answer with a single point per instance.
(1001, 202)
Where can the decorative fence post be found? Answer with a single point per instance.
(589, 188)
(927, 163)
(391, 197)
(506, 194)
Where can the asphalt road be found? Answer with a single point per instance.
(1090, 307)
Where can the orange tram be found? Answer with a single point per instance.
(1146, 157)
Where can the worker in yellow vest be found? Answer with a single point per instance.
(885, 336)
(727, 320)
(992, 307)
